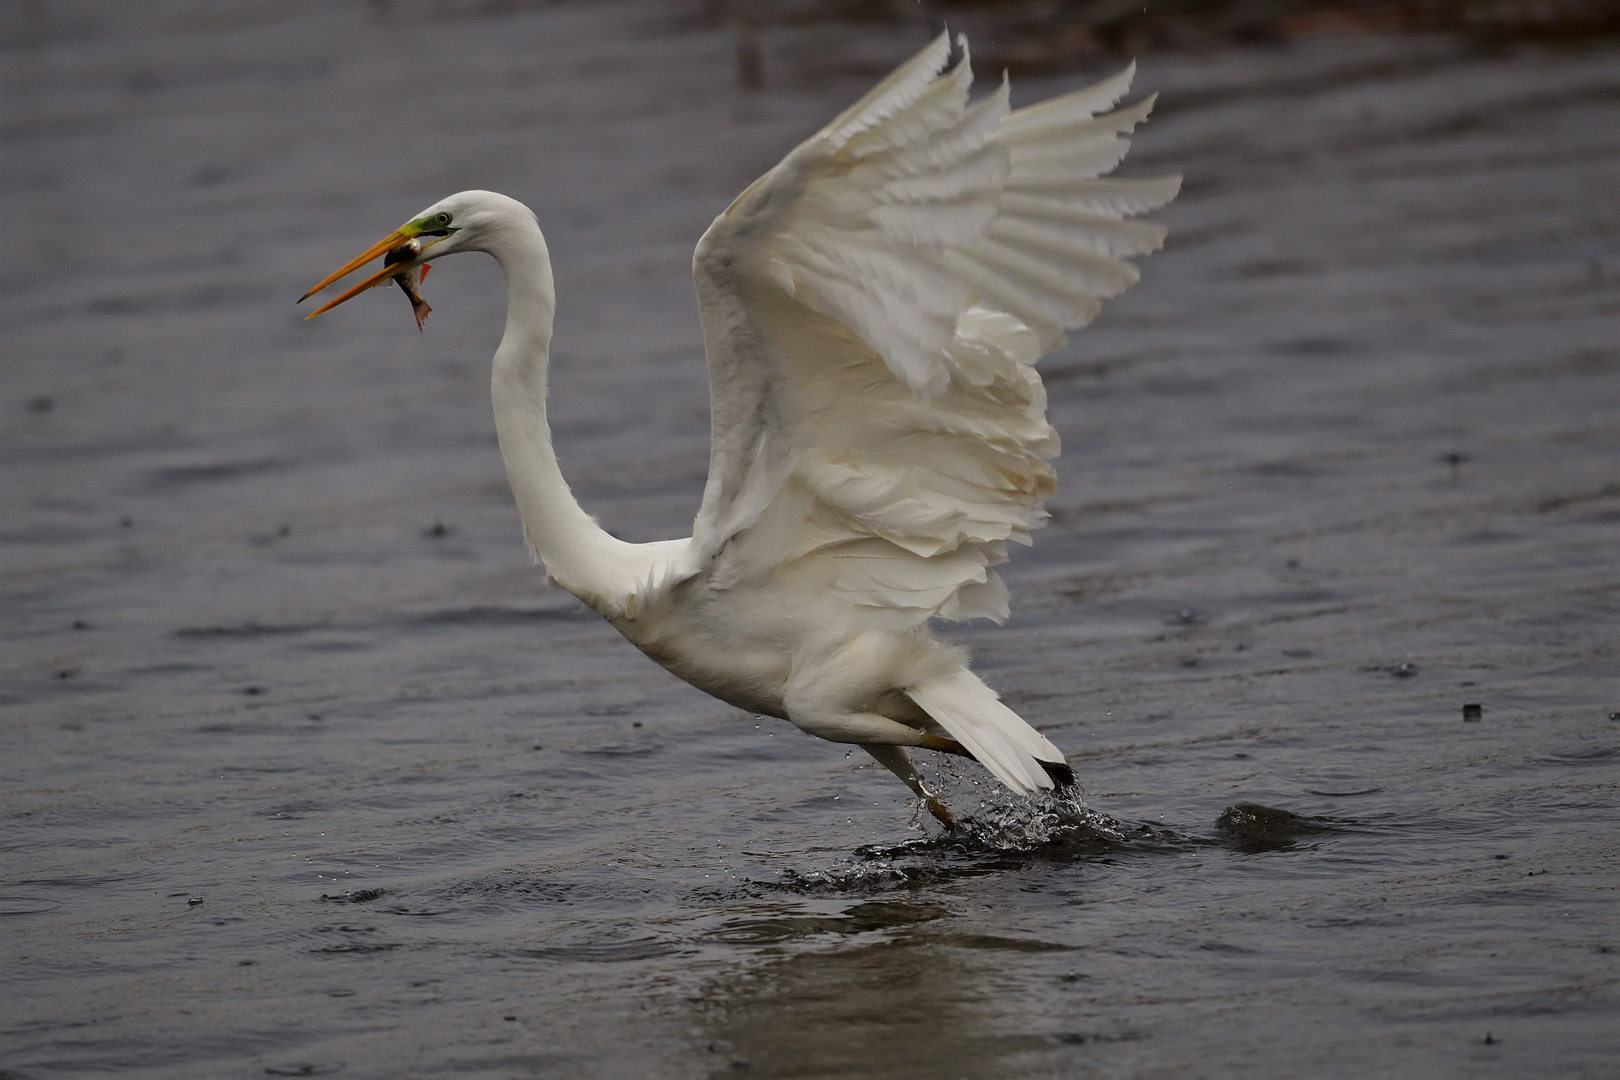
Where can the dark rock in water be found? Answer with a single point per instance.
(359, 896)
(1255, 828)
(1473, 712)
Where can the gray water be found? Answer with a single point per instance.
(306, 771)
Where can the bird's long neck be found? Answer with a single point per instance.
(576, 551)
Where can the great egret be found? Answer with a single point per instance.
(872, 308)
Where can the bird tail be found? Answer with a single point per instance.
(998, 738)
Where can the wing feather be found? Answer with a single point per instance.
(1056, 113)
(873, 310)
(1107, 197)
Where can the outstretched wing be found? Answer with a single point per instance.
(873, 309)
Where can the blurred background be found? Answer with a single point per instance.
(305, 770)
(1030, 37)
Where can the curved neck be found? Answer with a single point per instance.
(576, 551)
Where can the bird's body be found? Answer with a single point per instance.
(872, 312)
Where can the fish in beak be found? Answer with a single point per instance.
(401, 263)
(410, 279)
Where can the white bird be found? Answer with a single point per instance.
(872, 309)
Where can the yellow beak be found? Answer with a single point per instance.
(382, 247)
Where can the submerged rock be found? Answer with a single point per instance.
(1255, 828)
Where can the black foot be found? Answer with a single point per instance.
(1062, 776)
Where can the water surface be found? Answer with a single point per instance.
(307, 772)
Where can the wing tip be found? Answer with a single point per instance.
(996, 737)
(899, 89)
(1061, 773)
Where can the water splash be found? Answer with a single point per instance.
(1005, 823)
(1005, 831)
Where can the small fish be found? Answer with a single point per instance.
(411, 279)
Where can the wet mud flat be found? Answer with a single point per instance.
(306, 772)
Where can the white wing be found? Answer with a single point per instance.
(873, 308)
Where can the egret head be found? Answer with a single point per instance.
(448, 226)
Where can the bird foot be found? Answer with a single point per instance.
(943, 815)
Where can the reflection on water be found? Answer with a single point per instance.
(860, 919)
(306, 772)
(892, 1006)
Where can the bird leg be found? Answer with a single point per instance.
(830, 696)
(944, 746)
(895, 759)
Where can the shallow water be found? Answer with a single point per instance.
(307, 772)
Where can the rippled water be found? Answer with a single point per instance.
(306, 772)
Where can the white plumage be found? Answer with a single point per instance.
(873, 309)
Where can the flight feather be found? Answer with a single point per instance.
(873, 309)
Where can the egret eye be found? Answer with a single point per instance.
(434, 224)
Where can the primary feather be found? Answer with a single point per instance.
(946, 247)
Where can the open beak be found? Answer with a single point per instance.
(392, 270)
(382, 247)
